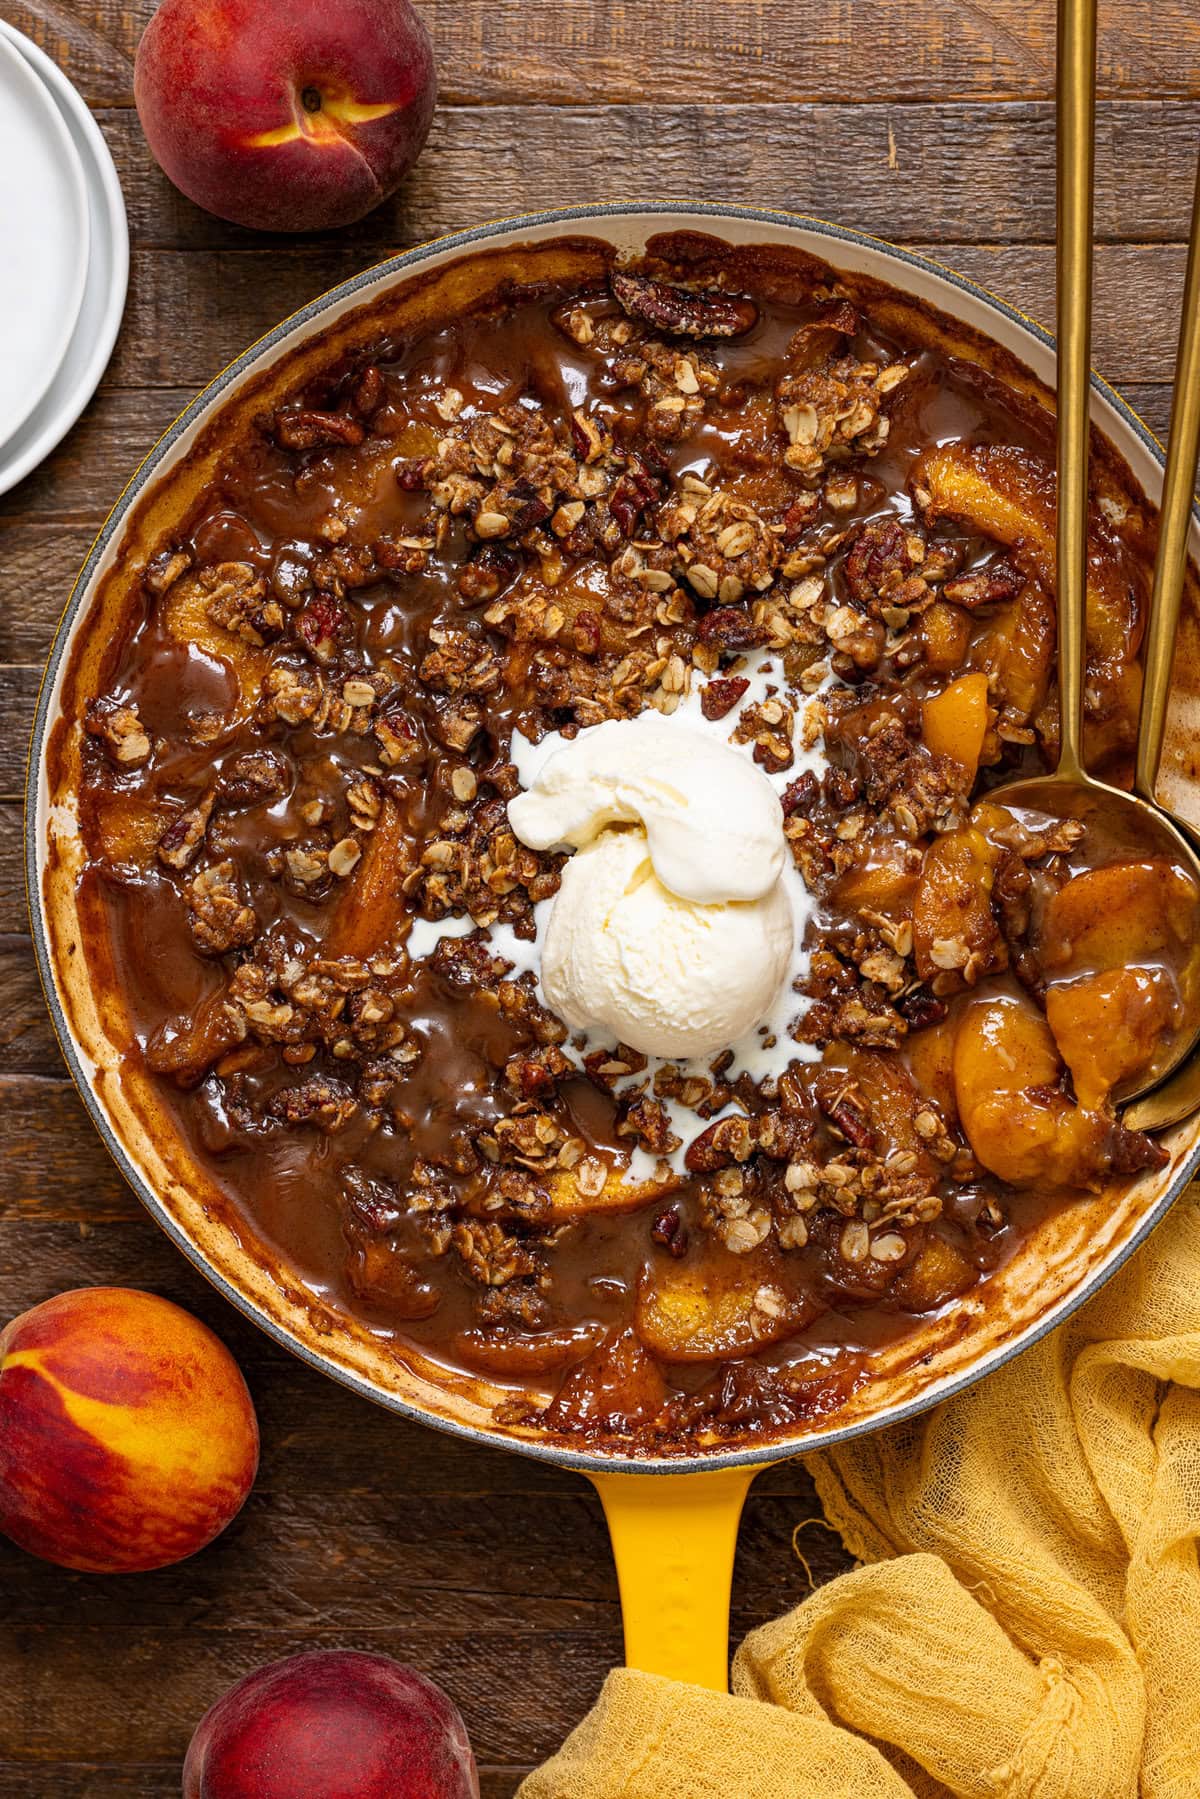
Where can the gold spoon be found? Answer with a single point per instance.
(1179, 1097)
(1070, 792)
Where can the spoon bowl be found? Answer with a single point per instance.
(1137, 829)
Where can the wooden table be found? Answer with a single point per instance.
(929, 122)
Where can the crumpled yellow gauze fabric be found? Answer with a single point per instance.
(1027, 1617)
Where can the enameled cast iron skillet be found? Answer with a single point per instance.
(673, 1523)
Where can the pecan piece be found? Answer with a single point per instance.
(254, 778)
(492, 567)
(728, 629)
(728, 1140)
(680, 312)
(801, 793)
(636, 489)
(921, 1008)
(180, 843)
(670, 1230)
(845, 1116)
(721, 695)
(369, 390)
(312, 430)
(120, 730)
(986, 587)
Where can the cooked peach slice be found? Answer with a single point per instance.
(371, 906)
(945, 636)
(185, 615)
(617, 1384)
(955, 721)
(1108, 1026)
(881, 1091)
(1008, 494)
(571, 1199)
(515, 1355)
(937, 1272)
(1006, 1067)
(883, 887)
(953, 926)
(1017, 651)
(931, 1057)
(1120, 914)
(127, 828)
(186, 1049)
(713, 1305)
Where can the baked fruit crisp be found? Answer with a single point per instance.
(827, 554)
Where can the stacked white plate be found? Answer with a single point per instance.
(64, 255)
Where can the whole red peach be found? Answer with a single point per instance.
(332, 1724)
(287, 115)
(127, 1437)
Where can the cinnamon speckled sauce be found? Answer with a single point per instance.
(308, 909)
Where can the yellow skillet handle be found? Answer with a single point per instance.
(673, 1538)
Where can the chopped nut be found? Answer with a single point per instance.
(854, 1241)
(591, 1177)
(343, 856)
(889, 1246)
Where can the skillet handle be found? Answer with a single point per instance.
(673, 1538)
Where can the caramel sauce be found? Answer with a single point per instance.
(583, 1345)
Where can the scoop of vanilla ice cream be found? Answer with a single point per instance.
(626, 955)
(712, 819)
(673, 929)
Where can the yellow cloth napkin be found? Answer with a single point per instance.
(1027, 1618)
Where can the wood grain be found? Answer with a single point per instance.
(230, 297)
(542, 53)
(918, 174)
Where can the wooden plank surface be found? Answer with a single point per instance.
(540, 53)
(929, 122)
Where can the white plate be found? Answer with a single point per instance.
(44, 230)
(107, 275)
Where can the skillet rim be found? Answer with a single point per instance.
(780, 1448)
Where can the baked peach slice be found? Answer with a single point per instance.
(930, 1054)
(880, 1088)
(883, 887)
(187, 617)
(126, 828)
(954, 722)
(945, 637)
(1122, 913)
(953, 926)
(938, 1272)
(1008, 495)
(714, 1305)
(569, 1198)
(1108, 1026)
(1017, 1121)
(372, 905)
(616, 1385)
(186, 1049)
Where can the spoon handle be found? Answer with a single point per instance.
(1175, 518)
(1076, 109)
